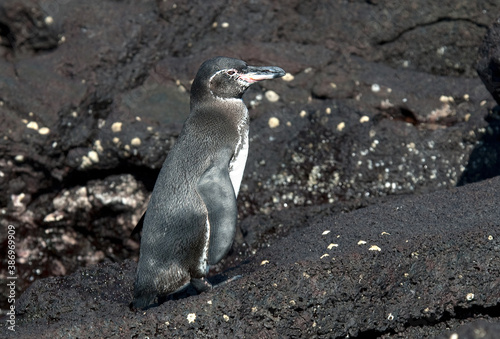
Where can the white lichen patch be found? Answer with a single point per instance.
(340, 126)
(469, 296)
(375, 88)
(191, 317)
(135, 142)
(364, 119)
(303, 114)
(44, 131)
(264, 262)
(32, 125)
(385, 233)
(93, 156)
(374, 248)
(225, 317)
(98, 146)
(445, 99)
(490, 237)
(361, 242)
(225, 25)
(272, 96)
(49, 20)
(288, 77)
(273, 122)
(332, 246)
(325, 232)
(54, 216)
(324, 256)
(116, 127)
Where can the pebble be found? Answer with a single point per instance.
(272, 96)
(116, 127)
(273, 122)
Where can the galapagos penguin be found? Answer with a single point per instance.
(190, 221)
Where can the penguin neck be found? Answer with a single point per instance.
(234, 108)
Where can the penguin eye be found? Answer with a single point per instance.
(231, 72)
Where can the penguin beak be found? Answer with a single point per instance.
(253, 74)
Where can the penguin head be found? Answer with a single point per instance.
(229, 78)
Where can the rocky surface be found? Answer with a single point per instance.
(381, 100)
(412, 268)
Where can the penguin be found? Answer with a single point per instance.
(190, 221)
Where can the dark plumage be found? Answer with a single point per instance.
(191, 217)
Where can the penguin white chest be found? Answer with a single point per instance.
(237, 164)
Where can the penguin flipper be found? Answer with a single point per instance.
(216, 190)
(138, 227)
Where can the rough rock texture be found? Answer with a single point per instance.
(412, 268)
(381, 100)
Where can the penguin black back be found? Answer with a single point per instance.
(190, 222)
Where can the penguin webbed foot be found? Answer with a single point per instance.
(201, 285)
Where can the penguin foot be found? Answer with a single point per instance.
(201, 285)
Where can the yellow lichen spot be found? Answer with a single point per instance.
(116, 127)
(324, 256)
(226, 317)
(288, 77)
(305, 275)
(273, 122)
(272, 96)
(191, 317)
(340, 126)
(254, 309)
(32, 125)
(364, 119)
(135, 142)
(44, 131)
(374, 248)
(93, 156)
(361, 242)
(264, 262)
(303, 114)
(332, 246)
